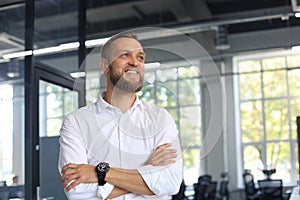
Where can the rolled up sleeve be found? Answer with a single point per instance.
(165, 180)
(162, 180)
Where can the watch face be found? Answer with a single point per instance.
(102, 167)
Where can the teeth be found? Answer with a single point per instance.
(131, 72)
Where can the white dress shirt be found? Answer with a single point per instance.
(101, 132)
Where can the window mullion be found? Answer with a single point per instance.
(264, 146)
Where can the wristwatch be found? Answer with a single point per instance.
(101, 169)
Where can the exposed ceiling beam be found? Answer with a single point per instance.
(205, 25)
(257, 12)
(197, 9)
(180, 12)
(138, 13)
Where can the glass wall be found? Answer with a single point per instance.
(50, 35)
(12, 95)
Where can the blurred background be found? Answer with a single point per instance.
(228, 70)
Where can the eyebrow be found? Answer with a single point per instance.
(127, 50)
(143, 53)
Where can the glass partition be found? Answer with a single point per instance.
(12, 141)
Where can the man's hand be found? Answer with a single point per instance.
(162, 156)
(74, 174)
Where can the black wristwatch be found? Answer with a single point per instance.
(101, 169)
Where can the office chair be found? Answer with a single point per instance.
(271, 189)
(205, 178)
(223, 192)
(251, 192)
(205, 189)
(211, 190)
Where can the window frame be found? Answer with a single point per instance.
(291, 141)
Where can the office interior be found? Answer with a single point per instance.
(228, 71)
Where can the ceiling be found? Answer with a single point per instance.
(56, 19)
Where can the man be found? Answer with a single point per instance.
(120, 147)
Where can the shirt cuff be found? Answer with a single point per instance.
(104, 191)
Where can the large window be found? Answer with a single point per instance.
(269, 102)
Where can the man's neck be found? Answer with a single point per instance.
(120, 99)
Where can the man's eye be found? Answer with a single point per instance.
(141, 58)
(124, 55)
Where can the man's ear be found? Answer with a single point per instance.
(104, 65)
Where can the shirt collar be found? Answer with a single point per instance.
(101, 104)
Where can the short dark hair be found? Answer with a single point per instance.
(106, 47)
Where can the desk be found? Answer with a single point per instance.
(295, 194)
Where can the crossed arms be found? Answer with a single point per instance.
(124, 180)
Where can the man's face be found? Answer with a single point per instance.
(126, 65)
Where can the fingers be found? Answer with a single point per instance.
(166, 154)
(162, 155)
(166, 162)
(68, 175)
(74, 174)
(72, 185)
(69, 166)
(163, 146)
(68, 179)
(165, 157)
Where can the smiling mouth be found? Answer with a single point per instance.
(131, 72)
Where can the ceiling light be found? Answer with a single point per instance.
(295, 48)
(69, 46)
(13, 68)
(47, 50)
(77, 74)
(61, 47)
(96, 42)
(297, 14)
(4, 60)
(17, 54)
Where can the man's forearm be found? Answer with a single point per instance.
(129, 180)
(116, 192)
